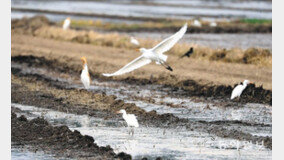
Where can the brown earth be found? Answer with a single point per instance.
(40, 90)
(198, 77)
(60, 141)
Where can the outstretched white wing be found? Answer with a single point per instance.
(136, 63)
(168, 43)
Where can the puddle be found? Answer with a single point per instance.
(151, 142)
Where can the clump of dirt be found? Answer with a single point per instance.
(59, 140)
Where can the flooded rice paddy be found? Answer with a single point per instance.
(151, 142)
(204, 9)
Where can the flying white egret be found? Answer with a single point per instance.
(66, 23)
(237, 91)
(85, 76)
(130, 120)
(134, 41)
(196, 23)
(153, 54)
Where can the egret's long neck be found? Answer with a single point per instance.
(85, 66)
(124, 115)
(245, 85)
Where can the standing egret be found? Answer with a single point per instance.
(85, 76)
(237, 91)
(188, 53)
(154, 54)
(66, 23)
(213, 24)
(130, 120)
(134, 41)
(196, 23)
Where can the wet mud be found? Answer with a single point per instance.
(252, 94)
(28, 89)
(59, 140)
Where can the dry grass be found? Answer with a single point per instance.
(244, 26)
(41, 27)
(257, 56)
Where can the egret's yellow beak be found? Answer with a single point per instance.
(117, 112)
(137, 49)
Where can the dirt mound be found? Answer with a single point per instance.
(29, 25)
(59, 140)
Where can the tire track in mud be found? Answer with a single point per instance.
(103, 106)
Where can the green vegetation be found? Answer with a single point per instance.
(256, 21)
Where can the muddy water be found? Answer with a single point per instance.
(162, 9)
(212, 40)
(151, 142)
(255, 119)
(22, 154)
(184, 106)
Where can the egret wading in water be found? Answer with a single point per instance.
(237, 91)
(154, 54)
(85, 76)
(134, 41)
(130, 120)
(66, 23)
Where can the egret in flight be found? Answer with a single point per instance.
(154, 54)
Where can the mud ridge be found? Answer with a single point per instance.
(61, 141)
(22, 95)
(252, 94)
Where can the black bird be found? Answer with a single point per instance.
(188, 53)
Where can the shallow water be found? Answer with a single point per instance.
(156, 97)
(24, 154)
(228, 41)
(162, 9)
(187, 108)
(151, 142)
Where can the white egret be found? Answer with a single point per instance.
(154, 54)
(130, 120)
(66, 23)
(213, 24)
(134, 41)
(85, 76)
(237, 91)
(196, 23)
